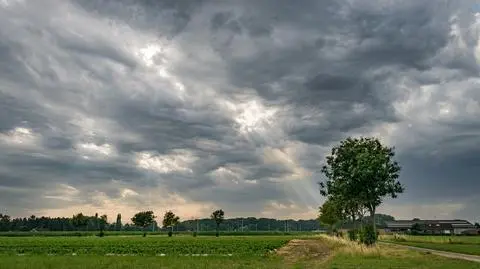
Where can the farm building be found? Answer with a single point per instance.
(456, 227)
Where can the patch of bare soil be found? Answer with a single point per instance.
(304, 250)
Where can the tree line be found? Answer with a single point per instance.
(81, 222)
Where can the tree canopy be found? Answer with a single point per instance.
(218, 216)
(80, 220)
(144, 218)
(361, 173)
(330, 213)
(170, 219)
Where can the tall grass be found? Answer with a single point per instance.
(347, 247)
(432, 239)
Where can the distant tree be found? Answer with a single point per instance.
(330, 213)
(416, 219)
(218, 216)
(170, 220)
(477, 225)
(4, 222)
(80, 221)
(103, 222)
(416, 229)
(96, 221)
(362, 170)
(118, 223)
(143, 219)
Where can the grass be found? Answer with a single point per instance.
(433, 239)
(82, 262)
(353, 255)
(245, 252)
(408, 259)
(459, 244)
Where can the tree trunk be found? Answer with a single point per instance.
(218, 228)
(374, 223)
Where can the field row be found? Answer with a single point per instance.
(124, 233)
(153, 245)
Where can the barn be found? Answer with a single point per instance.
(453, 227)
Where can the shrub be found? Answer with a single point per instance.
(337, 233)
(170, 233)
(194, 234)
(352, 235)
(368, 235)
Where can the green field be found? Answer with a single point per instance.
(459, 244)
(137, 245)
(116, 252)
(139, 233)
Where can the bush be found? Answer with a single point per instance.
(194, 234)
(368, 235)
(101, 234)
(352, 235)
(170, 233)
(337, 233)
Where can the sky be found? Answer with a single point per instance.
(118, 106)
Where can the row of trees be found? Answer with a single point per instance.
(147, 218)
(359, 174)
(203, 224)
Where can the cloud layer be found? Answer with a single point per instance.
(192, 105)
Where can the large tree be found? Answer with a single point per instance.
(218, 216)
(361, 170)
(170, 220)
(143, 219)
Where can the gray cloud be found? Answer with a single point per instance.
(122, 105)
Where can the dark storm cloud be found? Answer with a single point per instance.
(177, 79)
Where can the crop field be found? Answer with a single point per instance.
(231, 252)
(137, 245)
(460, 244)
(163, 233)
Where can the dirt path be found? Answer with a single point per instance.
(473, 258)
(304, 250)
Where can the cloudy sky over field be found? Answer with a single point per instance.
(124, 105)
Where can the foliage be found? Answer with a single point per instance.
(79, 220)
(64, 224)
(170, 220)
(477, 225)
(114, 233)
(218, 216)
(238, 245)
(360, 173)
(330, 213)
(143, 219)
(416, 229)
(368, 235)
(353, 235)
(337, 233)
(118, 223)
